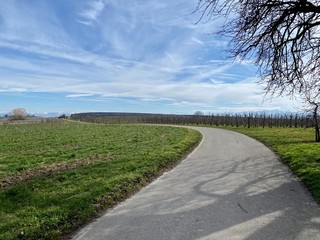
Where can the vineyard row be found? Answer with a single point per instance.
(236, 120)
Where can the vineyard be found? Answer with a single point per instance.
(232, 120)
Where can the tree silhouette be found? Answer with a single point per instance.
(281, 37)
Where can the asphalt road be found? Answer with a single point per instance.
(231, 187)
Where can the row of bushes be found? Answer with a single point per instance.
(30, 120)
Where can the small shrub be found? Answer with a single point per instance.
(18, 114)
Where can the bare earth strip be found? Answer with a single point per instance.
(231, 187)
(49, 170)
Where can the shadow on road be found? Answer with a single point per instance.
(246, 195)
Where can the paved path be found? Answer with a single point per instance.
(231, 187)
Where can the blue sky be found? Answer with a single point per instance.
(117, 55)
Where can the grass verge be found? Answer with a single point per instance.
(75, 171)
(296, 148)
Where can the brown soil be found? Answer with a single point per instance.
(51, 170)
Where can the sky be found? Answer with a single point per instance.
(69, 56)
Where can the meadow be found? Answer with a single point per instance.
(296, 148)
(54, 177)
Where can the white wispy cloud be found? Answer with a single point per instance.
(79, 95)
(93, 11)
(130, 79)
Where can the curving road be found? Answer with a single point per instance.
(231, 187)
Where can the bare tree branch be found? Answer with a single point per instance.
(281, 37)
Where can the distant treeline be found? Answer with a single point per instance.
(237, 120)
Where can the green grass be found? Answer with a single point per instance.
(121, 159)
(296, 147)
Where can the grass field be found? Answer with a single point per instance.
(297, 148)
(55, 177)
